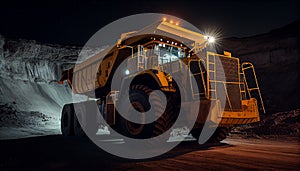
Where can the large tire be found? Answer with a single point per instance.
(139, 97)
(166, 120)
(67, 117)
(85, 119)
(219, 135)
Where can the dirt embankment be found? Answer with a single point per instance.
(279, 124)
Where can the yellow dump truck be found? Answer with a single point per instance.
(147, 53)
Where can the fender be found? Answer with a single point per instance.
(153, 78)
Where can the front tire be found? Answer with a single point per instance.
(138, 95)
(139, 98)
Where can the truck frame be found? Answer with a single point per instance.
(147, 53)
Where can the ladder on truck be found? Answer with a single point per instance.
(198, 73)
(141, 61)
(212, 77)
(242, 85)
(245, 87)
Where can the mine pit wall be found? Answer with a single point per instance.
(276, 60)
(29, 72)
(32, 61)
(267, 53)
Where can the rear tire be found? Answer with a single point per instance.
(67, 116)
(85, 119)
(78, 119)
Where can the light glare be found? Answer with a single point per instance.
(210, 39)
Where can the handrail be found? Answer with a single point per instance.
(246, 66)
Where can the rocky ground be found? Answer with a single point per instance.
(10, 117)
(277, 125)
(20, 124)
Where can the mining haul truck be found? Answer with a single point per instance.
(146, 53)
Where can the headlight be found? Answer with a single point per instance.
(210, 39)
(127, 72)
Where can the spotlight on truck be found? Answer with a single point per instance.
(210, 39)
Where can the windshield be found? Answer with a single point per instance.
(167, 54)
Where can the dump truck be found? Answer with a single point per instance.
(147, 53)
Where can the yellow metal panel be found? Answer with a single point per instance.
(249, 114)
(162, 79)
(181, 32)
(227, 53)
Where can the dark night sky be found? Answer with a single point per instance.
(74, 21)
